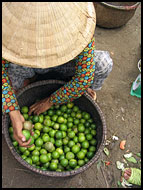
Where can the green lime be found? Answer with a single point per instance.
(45, 138)
(69, 111)
(80, 155)
(70, 119)
(46, 129)
(32, 147)
(75, 139)
(38, 126)
(49, 155)
(81, 127)
(46, 165)
(58, 142)
(38, 148)
(29, 161)
(24, 109)
(76, 121)
(90, 155)
(66, 149)
(81, 163)
(50, 112)
(84, 150)
(86, 160)
(43, 151)
(60, 119)
(15, 143)
(55, 155)
(35, 159)
(49, 146)
(53, 166)
(75, 109)
(45, 113)
(65, 140)
(81, 138)
(89, 137)
(26, 116)
(43, 168)
(54, 118)
(35, 153)
(93, 132)
(59, 135)
(71, 143)
(87, 124)
(37, 132)
(70, 124)
(86, 116)
(56, 126)
(77, 167)
(47, 117)
(52, 133)
(39, 142)
(70, 105)
(64, 162)
(69, 155)
(35, 119)
(65, 115)
(92, 149)
(75, 149)
(71, 134)
(73, 114)
(44, 158)
(47, 122)
(72, 163)
(22, 149)
(78, 116)
(26, 133)
(60, 167)
(61, 157)
(24, 157)
(93, 142)
(83, 121)
(63, 108)
(60, 151)
(85, 144)
(63, 127)
(52, 140)
(87, 131)
(55, 161)
(93, 126)
(32, 140)
(90, 120)
(10, 130)
(64, 134)
(58, 113)
(41, 118)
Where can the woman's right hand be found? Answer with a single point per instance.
(17, 123)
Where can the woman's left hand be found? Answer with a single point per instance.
(40, 106)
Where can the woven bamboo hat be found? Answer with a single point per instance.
(46, 34)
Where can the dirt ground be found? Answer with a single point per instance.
(121, 110)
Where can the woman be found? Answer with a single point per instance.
(88, 67)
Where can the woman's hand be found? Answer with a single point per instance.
(17, 123)
(40, 106)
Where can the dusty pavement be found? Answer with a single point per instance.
(122, 113)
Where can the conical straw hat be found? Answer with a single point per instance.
(46, 34)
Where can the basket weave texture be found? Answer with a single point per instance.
(39, 90)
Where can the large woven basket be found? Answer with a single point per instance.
(39, 90)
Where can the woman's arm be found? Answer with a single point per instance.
(85, 68)
(10, 106)
(9, 101)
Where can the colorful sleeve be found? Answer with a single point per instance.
(9, 102)
(85, 69)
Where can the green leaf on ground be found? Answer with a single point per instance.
(106, 151)
(131, 159)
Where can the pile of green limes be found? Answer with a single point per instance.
(64, 138)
